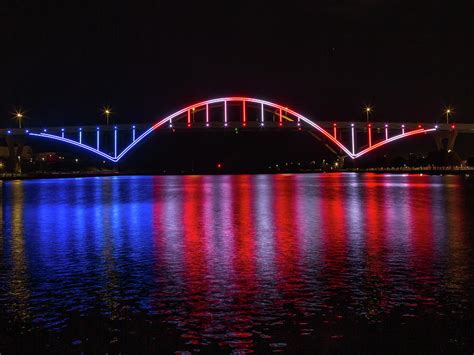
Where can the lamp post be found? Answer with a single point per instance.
(107, 111)
(448, 111)
(368, 109)
(19, 116)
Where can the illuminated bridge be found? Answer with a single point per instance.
(346, 139)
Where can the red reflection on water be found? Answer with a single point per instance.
(195, 270)
(375, 232)
(242, 237)
(244, 263)
(287, 252)
(333, 229)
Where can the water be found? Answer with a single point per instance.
(292, 263)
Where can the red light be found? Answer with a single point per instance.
(219, 165)
(370, 125)
(453, 126)
(281, 124)
(419, 126)
(334, 124)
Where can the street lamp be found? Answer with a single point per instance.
(19, 116)
(368, 109)
(448, 111)
(107, 111)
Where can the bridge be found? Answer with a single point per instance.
(346, 139)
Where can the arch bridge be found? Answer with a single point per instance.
(351, 139)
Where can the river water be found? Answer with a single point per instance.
(284, 263)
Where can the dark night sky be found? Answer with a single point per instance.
(62, 60)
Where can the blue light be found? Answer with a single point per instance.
(70, 141)
(44, 130)
(9, 132)
(115, 142)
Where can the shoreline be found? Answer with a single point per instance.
(414, 171)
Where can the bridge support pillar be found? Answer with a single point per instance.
(445, 140)
(14, 155)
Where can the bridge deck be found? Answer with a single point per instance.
(328, 125)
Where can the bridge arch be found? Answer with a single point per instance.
(185, 112)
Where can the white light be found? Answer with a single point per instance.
(225, 112)
(353, 143)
